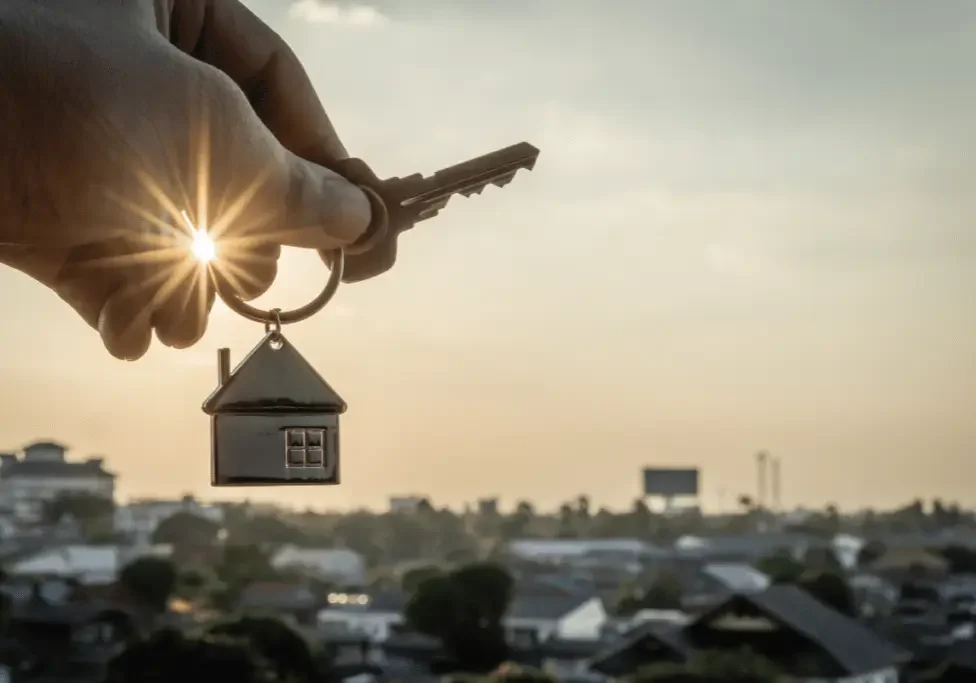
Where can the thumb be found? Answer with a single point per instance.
(269, 193)
(323, 210)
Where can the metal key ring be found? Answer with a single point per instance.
(277, 317)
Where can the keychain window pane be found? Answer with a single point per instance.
(305, 447)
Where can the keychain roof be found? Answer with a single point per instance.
(274, 377)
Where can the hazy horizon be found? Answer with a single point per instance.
(748, 229)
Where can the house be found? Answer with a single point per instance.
(86, 564)
(375, 616)
(408, 656)
(807, 639)
(406, 504)
(905, 561)
(615, 550)
(42, 474)
(538, 618)
(958, 667)
(705, 584)
(274, 420)
(338, 565)
(73, 642)
(141, 518)
(750, 547)
(297, 602)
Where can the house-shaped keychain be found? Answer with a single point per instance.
(274, 420)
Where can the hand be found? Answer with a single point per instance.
(123, 115)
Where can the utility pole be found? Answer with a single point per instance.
(762, 458)
(774, 477)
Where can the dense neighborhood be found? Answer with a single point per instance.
(96, 590)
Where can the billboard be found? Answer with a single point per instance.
(668, 482)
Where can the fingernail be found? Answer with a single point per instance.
(331, 212)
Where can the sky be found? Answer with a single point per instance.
(751, 227)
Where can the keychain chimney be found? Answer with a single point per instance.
(223, 366)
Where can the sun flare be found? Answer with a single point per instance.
(203, 247)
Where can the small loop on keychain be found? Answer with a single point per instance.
(276, 317)
(276, 325)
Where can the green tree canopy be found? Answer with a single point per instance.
(961, 559)
(195, 582)
(84, 507)
(150, 580)
(286, 652)
(781, 567)
(510, 672)
(264, 530)
(831, 589)
(186, 528)
(869, 552)
(240, 565)
(660, 591)
(413, 578)
(169, 655)
(718, 666)
(464, 609)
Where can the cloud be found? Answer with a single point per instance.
(323, 12)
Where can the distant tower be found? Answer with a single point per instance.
(762, 458)
(774, 482)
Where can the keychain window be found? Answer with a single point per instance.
(305, 447)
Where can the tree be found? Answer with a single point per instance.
(720, 666)
(265, 530)
(412, 579)
(516, 524)
(583, 507)
(831, 589)
(961, 559)
(193, 583)
(284, 650)
(781, 567)
(168, 655)
(240, 565)
(870, 552)
(464, 609)
(510, 672)
(662, 591)
(567, 522)
(6, 606)
(734, 666)
(150, 580)
(186, 528)
(83, 507)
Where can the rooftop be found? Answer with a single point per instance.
(54, 468)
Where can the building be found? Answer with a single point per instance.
(42, 474)
(576, 551)
(405, 503)
(540, 618)
(141, 518)
(372, 616)
(801, 636)
(338, 565)
(86, 564)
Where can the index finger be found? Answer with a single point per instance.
(228, 36)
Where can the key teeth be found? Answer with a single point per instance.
(435, 201)
(500, 181)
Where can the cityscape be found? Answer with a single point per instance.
(95, 589)
(636, 341)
